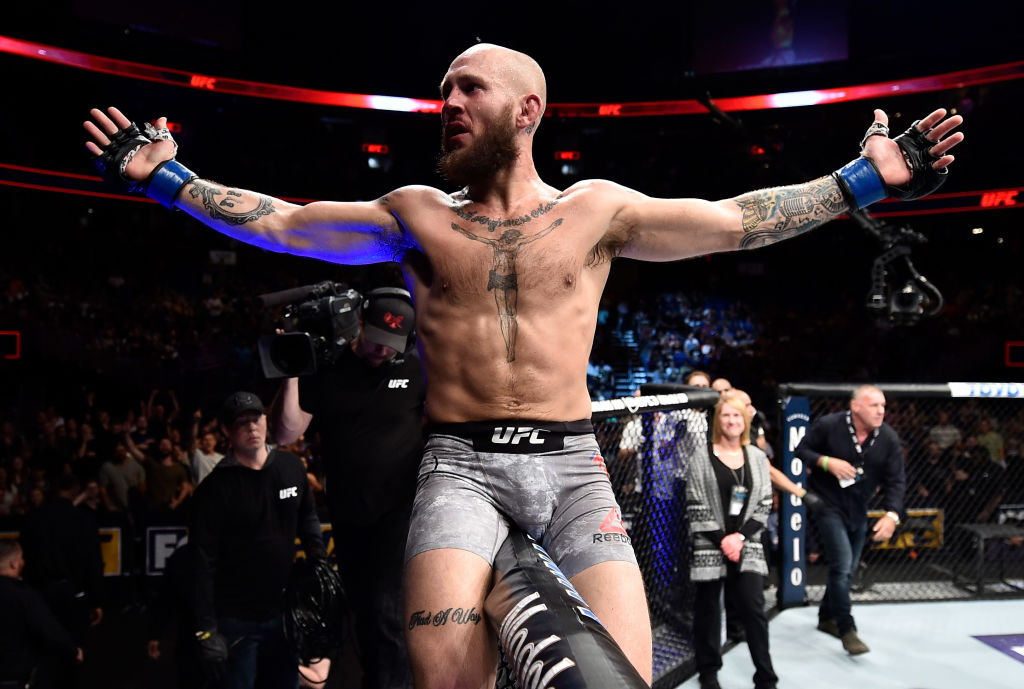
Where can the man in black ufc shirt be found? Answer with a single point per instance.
(246, 516)
(368, 410)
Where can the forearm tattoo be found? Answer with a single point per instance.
(772, 215)
(222, 203)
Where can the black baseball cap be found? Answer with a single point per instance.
(389, 321)
(239, 403)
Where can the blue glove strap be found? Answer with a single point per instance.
(862, 183)
(167, 180)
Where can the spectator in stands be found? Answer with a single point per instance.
(90, 499)
(32, 641)
(944, 433)
(975, 489)
(698, 379)
(8, 494)
(204, 455)
(728, 495)
(140, 435)
(992, 441)
(122, 481)
(927, 478)
(12, 443)
(1014, 472)
(19, 475)
(722, 385)
(167, 482)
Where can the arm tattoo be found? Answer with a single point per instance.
(772, 215)
(503, 279)
(225, 208)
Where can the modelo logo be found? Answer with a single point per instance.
(398, 383)
(286, 493)
(511, 435)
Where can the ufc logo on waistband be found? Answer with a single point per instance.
(398, 383)
(511, 435)
(285, 493)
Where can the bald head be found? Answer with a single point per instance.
(517, 72)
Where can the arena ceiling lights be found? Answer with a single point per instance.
(176, 77)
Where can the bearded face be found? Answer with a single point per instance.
(494, 150)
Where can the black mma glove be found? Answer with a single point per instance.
(213, 651)
(924, 179)
(862, 184)
(812, 501)
(166, 180)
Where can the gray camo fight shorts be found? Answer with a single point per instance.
(549, 478)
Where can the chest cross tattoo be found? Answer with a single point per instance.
(503, 278)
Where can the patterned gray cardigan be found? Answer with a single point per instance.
(704, 509)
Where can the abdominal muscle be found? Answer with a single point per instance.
(469, 377)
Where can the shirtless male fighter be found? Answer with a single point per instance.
(506, 274)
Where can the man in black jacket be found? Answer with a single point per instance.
(851, 454)
(246, 516)
(30, 633)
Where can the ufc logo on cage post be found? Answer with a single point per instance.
(285, 493)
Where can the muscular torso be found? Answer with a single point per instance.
(505, 312)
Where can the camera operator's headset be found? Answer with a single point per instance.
(393, 293)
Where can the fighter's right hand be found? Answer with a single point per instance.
(116, 138)
(840, 468)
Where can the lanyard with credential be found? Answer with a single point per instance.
(856, 443)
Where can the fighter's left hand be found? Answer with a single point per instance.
(883, 529)
(889, 157)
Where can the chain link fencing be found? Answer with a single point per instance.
(646, 442)
(963, 532)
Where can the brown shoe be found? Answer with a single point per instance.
(852, 643)
(829, 627)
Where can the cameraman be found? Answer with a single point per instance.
(369, 408)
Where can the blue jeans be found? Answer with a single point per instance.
(842, 547)
(259, 656)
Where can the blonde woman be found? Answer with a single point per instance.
(728, 495)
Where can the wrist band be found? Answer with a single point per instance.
(167, 180)
(824, 462)
(861, 183)
(891, 514)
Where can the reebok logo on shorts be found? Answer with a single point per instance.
(612, 530)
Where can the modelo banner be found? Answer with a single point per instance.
(793, 515)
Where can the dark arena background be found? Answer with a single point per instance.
(112, 308)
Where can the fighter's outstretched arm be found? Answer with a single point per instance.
(911, 166)
(351, 233)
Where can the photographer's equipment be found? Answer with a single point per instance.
(319, 321)
(315, 610)
(899, 293)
